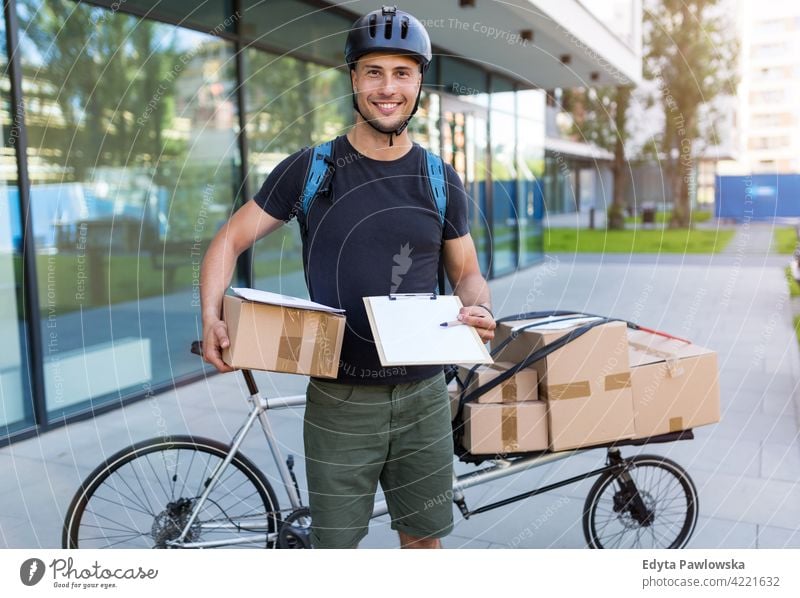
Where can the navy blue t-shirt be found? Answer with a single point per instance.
(378, 232)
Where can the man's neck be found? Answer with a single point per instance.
(375, 145)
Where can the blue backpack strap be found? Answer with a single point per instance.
(317, 172)
(435, 170)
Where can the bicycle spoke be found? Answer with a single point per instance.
(158, 479)
(188, 471)
(129, 530)
(119, 476)
(108, 500)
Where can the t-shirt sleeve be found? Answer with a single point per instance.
(456, 221)
(279, 196)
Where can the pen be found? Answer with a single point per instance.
(453, 323)
(448, 324)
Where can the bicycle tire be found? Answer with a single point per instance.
(669, 498)
(128, 494)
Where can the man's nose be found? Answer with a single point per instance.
(389, 86)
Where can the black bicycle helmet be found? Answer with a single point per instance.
(388, 30)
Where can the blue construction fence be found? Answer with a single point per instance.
(757, 196)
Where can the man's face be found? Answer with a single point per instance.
(386, 88)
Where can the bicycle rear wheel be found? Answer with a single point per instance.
(143, 496)
(649, 502)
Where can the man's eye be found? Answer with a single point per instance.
(372, 73)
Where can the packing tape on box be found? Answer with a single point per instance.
(675, 424)
(670, 358)
(509, 389)
(617, 381)
(320, 345)
(291, 340)
(508, 428)
(572, 390)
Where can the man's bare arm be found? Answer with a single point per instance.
(247, 225)
(463, 270)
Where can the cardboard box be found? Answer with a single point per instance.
(282, 339)
(675, 385)
(455, 396)
(586, 383)
(522, 386)
(493, 428)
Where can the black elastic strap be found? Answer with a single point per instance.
(529, 360)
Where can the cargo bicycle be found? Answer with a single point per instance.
(193, 492)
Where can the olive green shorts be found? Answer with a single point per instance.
(398, 435)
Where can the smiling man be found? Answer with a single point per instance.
(376, 231)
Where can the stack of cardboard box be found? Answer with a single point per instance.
(509, 418)
(606, 385)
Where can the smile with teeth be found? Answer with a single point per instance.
(387, 107)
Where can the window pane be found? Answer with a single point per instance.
(15, 404)
(290, 104)
(424, 127)
(504, 192)
(530, 198)
(302, 28)
(133, 166)
(208, 13)
(464, 80)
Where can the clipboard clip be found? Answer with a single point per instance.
(396, 296)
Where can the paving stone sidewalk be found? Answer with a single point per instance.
(746, 468)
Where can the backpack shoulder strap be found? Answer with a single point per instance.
(435, 170)
(318, 169)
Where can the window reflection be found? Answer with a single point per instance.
(530, 194)
(504, 183)
(290, 104)
(15, 405)
(132, 159)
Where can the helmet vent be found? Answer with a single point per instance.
(403, 27)
(387, 31)
(373, 22)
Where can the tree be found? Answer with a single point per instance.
(600, 117)
(691, 54)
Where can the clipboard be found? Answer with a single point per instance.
(407, 331)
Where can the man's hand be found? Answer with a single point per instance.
(215, 338)
(480, 318)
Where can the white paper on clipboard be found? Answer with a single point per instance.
(407, 331)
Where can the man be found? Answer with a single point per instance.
(377, 231)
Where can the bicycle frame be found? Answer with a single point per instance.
(498, 469)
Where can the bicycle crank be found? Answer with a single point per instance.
(295, 530)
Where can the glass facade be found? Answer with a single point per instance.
(530, 174)
(503, 134)
(137, 153)
(289, 104)
(129, 181)
(16, 410)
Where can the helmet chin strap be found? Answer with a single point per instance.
(399, 130)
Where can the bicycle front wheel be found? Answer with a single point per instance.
(144, 496)
(649, 502)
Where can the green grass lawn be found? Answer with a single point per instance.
(663, 217)
(67, 284)
(794, 288)
(660, 240)
(785, 239)
(797, 327)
